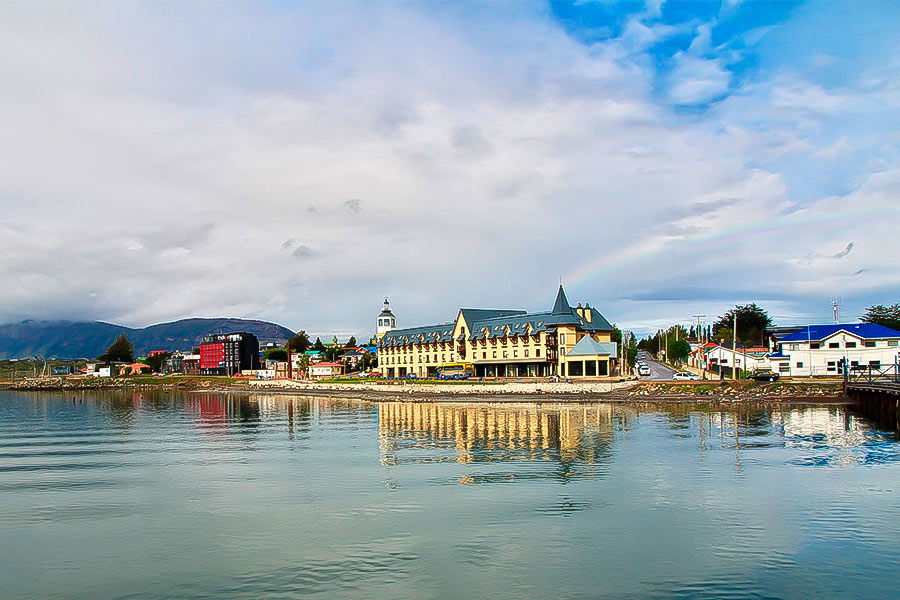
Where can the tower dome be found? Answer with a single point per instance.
(386, 320)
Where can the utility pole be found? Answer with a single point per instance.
(734, 347)
(699, 334)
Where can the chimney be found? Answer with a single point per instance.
(588, 312)
(579, 311)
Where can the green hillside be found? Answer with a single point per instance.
(72, 339)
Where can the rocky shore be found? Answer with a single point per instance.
(545, 391)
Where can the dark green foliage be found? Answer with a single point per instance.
(679, 350)
(351, 343)
(752, 322)
(887, 316)
(157, 361)
(279, 354)
(367, 362)
(120, 350)
(631, 355)
(299, 343)
(656, 342)
(319, 346)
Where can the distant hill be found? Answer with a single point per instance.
(72, 339)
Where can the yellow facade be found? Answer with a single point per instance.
(500, 343)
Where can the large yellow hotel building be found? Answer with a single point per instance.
(564, 342)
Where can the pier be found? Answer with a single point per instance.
(876, 392)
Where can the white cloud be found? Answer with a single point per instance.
(697, 80)
(298, 164)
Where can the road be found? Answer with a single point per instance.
(658, 371)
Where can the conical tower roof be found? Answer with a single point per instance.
(562, 313)
(561, 306)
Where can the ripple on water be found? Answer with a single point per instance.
(359, 568)
(566, 507)
(222, 499)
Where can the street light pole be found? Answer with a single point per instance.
(734, 347)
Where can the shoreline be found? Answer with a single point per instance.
(728, 392)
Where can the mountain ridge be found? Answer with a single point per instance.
(87, 339)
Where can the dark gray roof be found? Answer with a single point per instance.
(472, 315)
(518, 324)
(429, 334)
(561, 306)
(487, 323)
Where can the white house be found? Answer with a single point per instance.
(96, 370)
(746, 359)
(815, 351)
(325, 369)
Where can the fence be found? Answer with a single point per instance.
(871, 373)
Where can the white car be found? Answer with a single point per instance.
(685, 377)
(643, 370)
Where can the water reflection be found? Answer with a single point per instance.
(286, 496)
(572, 435)
(216, 410)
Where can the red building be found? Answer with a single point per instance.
(212, 355)
(228, 353)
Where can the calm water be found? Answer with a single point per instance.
(188, 496)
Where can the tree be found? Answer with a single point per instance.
(679, 350)
(367, 361)
(121, 350)
(752, 322)
(331, 353)
(279, 354)
(631, 355)
(319, 346)
(299, 343)
(157, 361)
(351, 343)
(302, 365)
(887, 316)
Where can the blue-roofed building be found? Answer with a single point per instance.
(506, 343)
(816, 350)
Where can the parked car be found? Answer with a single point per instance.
(643, 370)
(685, 377)
(764, 376)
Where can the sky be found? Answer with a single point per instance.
(299, 162)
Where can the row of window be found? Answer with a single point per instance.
(833, 345)
(831, 365)
(396, 360)
(473, 345)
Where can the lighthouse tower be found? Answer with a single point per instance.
(386, 320)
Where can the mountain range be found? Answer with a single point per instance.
(88, 339)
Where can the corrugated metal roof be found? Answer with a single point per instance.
(820, 332)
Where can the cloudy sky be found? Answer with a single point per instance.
(297, 163)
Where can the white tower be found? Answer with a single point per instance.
(386, 320)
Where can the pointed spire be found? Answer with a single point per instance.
(561, 306)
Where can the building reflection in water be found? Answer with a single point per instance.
(578, 440)
(217, 411)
